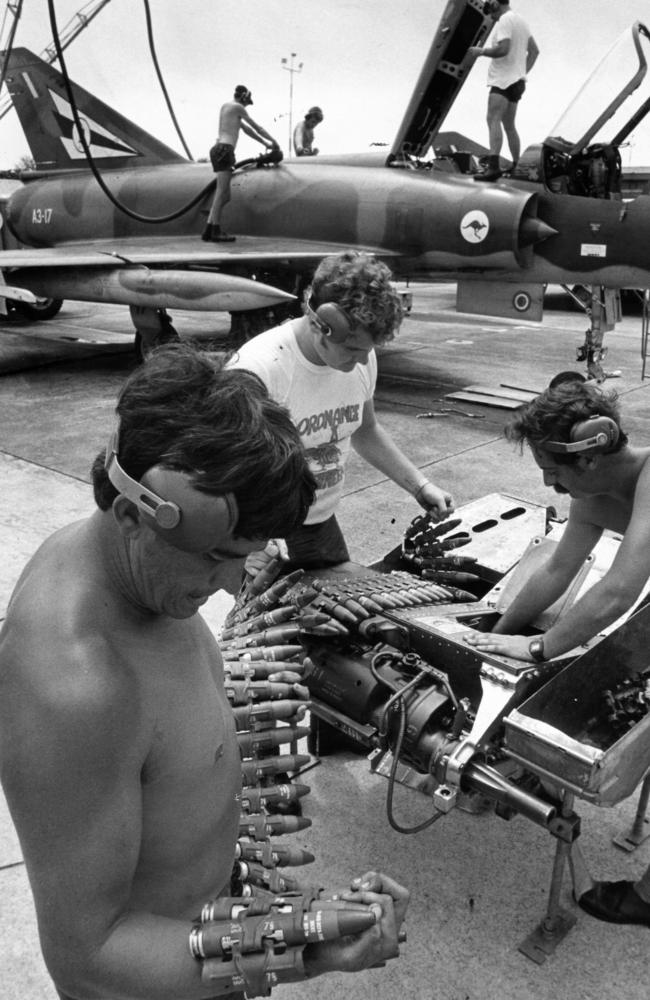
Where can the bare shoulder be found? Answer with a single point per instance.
(643, 457)
(58, 653)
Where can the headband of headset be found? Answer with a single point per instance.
(597, 434)
(166, 513)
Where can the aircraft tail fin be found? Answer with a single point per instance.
(41, 101)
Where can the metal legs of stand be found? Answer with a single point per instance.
(640, 828)
(557, 922)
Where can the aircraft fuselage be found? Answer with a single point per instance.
(436, 224)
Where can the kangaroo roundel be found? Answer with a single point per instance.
(474, 226)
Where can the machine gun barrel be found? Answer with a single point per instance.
(482, 778)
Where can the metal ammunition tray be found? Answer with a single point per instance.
(561, 731)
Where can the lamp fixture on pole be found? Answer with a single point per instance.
(291, 69)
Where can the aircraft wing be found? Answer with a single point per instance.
(180, 251)
(165, 272)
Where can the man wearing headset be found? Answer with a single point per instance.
(118, 752)
(232, 117)
(323, 368)
(303, 134)
(574, 432)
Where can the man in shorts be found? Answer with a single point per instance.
(513, 54)
(232, 117)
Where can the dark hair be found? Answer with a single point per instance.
(552, 414)
(566, 376)
(181, 409)
(362, 287)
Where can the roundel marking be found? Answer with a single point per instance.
(474, 226)
(76, 140)
(521, 302)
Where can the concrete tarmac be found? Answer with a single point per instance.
(479, 884)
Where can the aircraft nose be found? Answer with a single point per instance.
(533, 230)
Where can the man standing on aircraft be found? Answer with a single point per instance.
(303, 134)
(118, 752)
(323, 368)
(574, 432)
(232, 117)
(513, 54)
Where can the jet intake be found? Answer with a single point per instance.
(488, 227)
(134, 286)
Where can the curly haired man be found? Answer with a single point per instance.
(323, 368)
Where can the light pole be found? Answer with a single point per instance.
(291, 69)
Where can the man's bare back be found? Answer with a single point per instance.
(230, 118)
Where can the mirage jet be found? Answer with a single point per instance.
(110, 214)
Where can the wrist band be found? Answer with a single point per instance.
(420, 490)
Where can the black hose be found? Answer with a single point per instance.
(154, 59)
(82, 138)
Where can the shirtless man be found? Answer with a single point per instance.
(232, 117)
(118, 753)
(574, 432)
(303, 134)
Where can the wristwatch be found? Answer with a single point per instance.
(536, 650)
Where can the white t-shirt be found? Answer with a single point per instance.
(507, 70)
(325, 405)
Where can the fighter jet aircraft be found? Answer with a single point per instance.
(112, 215)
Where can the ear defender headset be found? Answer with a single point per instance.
(325, 318)
(243, 94)
(594, 436)
(166, 513)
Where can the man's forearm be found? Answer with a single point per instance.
(597, 609)
(379, 450)
(531, 57)
(539, 593)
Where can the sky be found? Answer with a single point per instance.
(360, 61)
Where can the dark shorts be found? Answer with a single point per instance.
(316, 545)
(222, 157)
(513, 93)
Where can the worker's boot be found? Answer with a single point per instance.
(206, 235)
(492, 172)
(218, 236)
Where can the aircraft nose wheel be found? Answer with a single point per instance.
(42, 309)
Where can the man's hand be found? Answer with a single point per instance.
(389, 901)
(501, 645)
(438, 503)
(259, 560)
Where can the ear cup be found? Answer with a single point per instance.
(596, 434)
(330, 318)
(593, 436)
(167, 514)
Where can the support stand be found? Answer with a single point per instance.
(557, 922)
(640, 829)
(645, 329)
